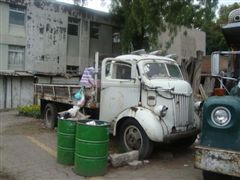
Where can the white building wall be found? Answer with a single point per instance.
(1, 94)
(9, 35)
(45, 36)
(84, 45)
(103, 44)
(4, 18)
(3, 57)
(185, 43)
(46, 39)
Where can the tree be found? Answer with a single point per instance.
(209, 26)
(142, 21)
(215, 39)
(224, 12)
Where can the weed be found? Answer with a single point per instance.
(30, 111)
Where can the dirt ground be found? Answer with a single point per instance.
(28, 151)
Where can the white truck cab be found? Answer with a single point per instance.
(143, 97)
(146, 100)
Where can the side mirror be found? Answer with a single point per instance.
(215, 64)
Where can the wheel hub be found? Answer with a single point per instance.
(133, 138)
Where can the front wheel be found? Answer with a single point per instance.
(133, 137)
(207, 175)
(50, 115)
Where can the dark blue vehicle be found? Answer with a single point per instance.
(218, 153)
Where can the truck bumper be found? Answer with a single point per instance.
(181, 135)
(218, 160)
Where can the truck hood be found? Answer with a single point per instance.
(177, 86)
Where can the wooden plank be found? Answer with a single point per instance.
(197, 73)
(208, 85)
(184, 65)
(202, 92)
(191, 69)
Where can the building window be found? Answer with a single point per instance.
(72, 69)
(94, 30)
(73, 26)
(17, 15)
(16, 55)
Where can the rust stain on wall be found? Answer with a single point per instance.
(46, 32)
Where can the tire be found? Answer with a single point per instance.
(185, 142)
(50, 115)
(133, 137)
(207, 175)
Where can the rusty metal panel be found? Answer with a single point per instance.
(218, 160)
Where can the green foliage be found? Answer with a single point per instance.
(224, 12)
(142, 21)
(30, 111)
(214, 38)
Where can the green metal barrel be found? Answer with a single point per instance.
(91, 148)
(66, 141)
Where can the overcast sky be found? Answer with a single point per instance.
(94, 4)
(97, 4)
(227, 2)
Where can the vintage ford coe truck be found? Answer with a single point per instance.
(144, 98)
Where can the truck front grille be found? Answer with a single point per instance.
(184, 110)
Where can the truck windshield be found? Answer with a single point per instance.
(174, 71)
(156, 70)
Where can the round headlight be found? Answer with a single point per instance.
(221, 116)
(161, 110)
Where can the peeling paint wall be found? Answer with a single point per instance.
(44, 38)
(45, 35)
(185, 43)
(3, 56)
(84, 44)
(46, 30)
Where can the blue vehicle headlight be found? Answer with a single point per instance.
(221, 116)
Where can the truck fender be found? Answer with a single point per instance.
(152, 125)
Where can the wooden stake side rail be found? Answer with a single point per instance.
(57, 93)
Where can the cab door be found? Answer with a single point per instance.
(120, 88)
